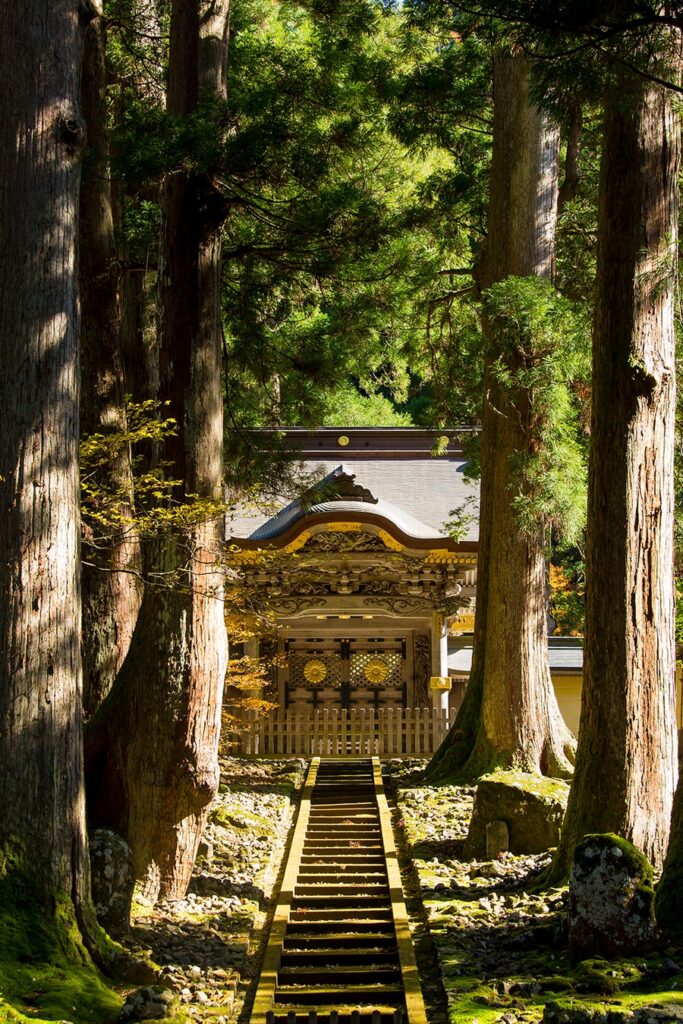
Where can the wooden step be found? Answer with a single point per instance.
(333, 915)
(327, 956)
(341, 939)
(341, 974)
(345, 888)
(316, 926)
(339, 1014)
(318, 995)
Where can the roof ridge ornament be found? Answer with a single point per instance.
(339, 485)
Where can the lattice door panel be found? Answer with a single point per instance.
(377, 674)
(315, 674)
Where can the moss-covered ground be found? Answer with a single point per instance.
(45, 972)
(500, 940)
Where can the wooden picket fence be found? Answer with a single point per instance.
(362, 732)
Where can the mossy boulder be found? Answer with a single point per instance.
(112, 879)
(611, 899)
(531, 806)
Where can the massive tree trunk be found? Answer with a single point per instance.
(625, 764)
(111, 582)
(153, 744)
(510, 715)
(43, 849)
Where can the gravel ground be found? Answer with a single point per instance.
(207, 942)
(500, 945)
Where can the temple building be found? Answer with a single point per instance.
(370, 574)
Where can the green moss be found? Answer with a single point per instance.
(598, 976)
(527, 782)
(45, 970)
(557, 983)
(637, 863)
(227, 817)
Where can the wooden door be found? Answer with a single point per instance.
(345, 673)
(377, 673)
(315, 673)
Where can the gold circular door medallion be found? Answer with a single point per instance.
(342, 440)
(315, 671)
(376, 670)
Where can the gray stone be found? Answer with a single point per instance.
(112, 879)
(150, 1003)
(610, 899)
(531, 806)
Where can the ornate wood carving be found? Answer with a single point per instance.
(422, 670)
(340, 488)
(338, 541)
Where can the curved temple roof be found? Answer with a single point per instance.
(388, 479)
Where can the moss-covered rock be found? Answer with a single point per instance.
(531, 806)
(610, 899)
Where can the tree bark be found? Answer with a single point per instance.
(572, 160)
(111, 583)
(510, 714)
(42, 135)
(153, 745)
(625, 764)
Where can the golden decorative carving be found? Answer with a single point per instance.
(439, 556)
(342, 440)
(298, 542)
(376, 670)
(462, 623)
(247, 555)
(389, 541)
(315, 670)
(343, 527)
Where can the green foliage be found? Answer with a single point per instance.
(354, 218)
(539, 348)
(157, 503)
(347, 406)
(567, 592)
(461, 519)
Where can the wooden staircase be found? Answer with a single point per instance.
(340, 949)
